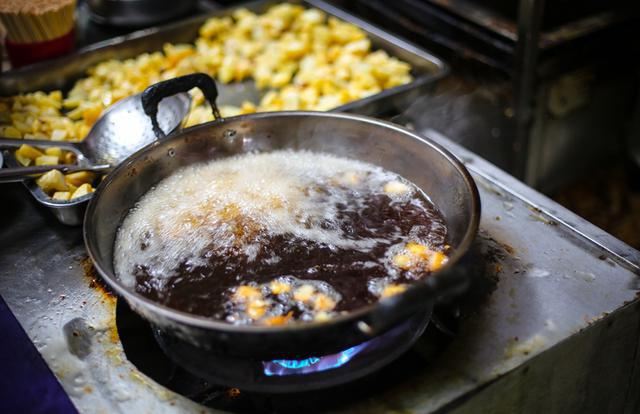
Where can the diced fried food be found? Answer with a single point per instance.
(47, 160)
(55, 151)
(61, 196)
(27, 151)
(256, 309)
(300, 57)
(24, 161)
(437, 260)
(322, 316)
(393, 289)
(304, 293)
(83, 190)
(278, 320)
(419, 250)
(246, 293)
(396, 188)
(403, 261)
(52, 181)
(79, 178)
(278, 287)
(309, 61)
(322, 302)
(417, 255)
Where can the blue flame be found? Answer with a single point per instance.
(283, 367)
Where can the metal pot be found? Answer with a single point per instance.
(421, 161)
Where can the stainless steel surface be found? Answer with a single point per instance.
(137, 13)
(60, 73)
(13, 175)
(433, 170)
(563, 316)
(121, 130)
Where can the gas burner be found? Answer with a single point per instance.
(405, 361)
(295, 375)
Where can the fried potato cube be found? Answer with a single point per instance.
(58, 135)
(246, 293)
(55, 151)
(79, 178)
(23, 160)
(304, 293)
(27, 151)
(11, 132)
(322, 316)
(62, 195)
(418, 250)
(392, 289)
(323, 302)
(278, 287)
(396, 188)
(403, 261)
(84, 189)
(91, 114)
(278, 320)
(437, 260)
(52, 181)
(256, 309)
(47, 160)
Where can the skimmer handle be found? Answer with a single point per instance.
(152, 96)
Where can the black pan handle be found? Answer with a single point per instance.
(152, 96)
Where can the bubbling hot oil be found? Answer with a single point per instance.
(278, 237)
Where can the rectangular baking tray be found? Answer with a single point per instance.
(62, 72)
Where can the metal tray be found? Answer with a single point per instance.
(61, 73)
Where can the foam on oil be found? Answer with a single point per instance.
(227, 206)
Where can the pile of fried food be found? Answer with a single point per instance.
(56, 185)
(299, 58)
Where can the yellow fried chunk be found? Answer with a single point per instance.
(55, 151)
(52, 181)
(304, 293)
(83, 190)
(416, 255)
(277, 287)
(417, 249)
(79, 178)
(393, 289)
(437, 260)
(403, 261)
(246, 293)
(27, 151)
(256, 309)
(396, 188)
(23, 160)
(323, 302)
(47, 160)
(278, 320)
(11, 132)
(62, 195)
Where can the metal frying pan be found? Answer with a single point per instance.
(421, 161)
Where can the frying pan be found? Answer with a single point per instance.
(433, 169)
